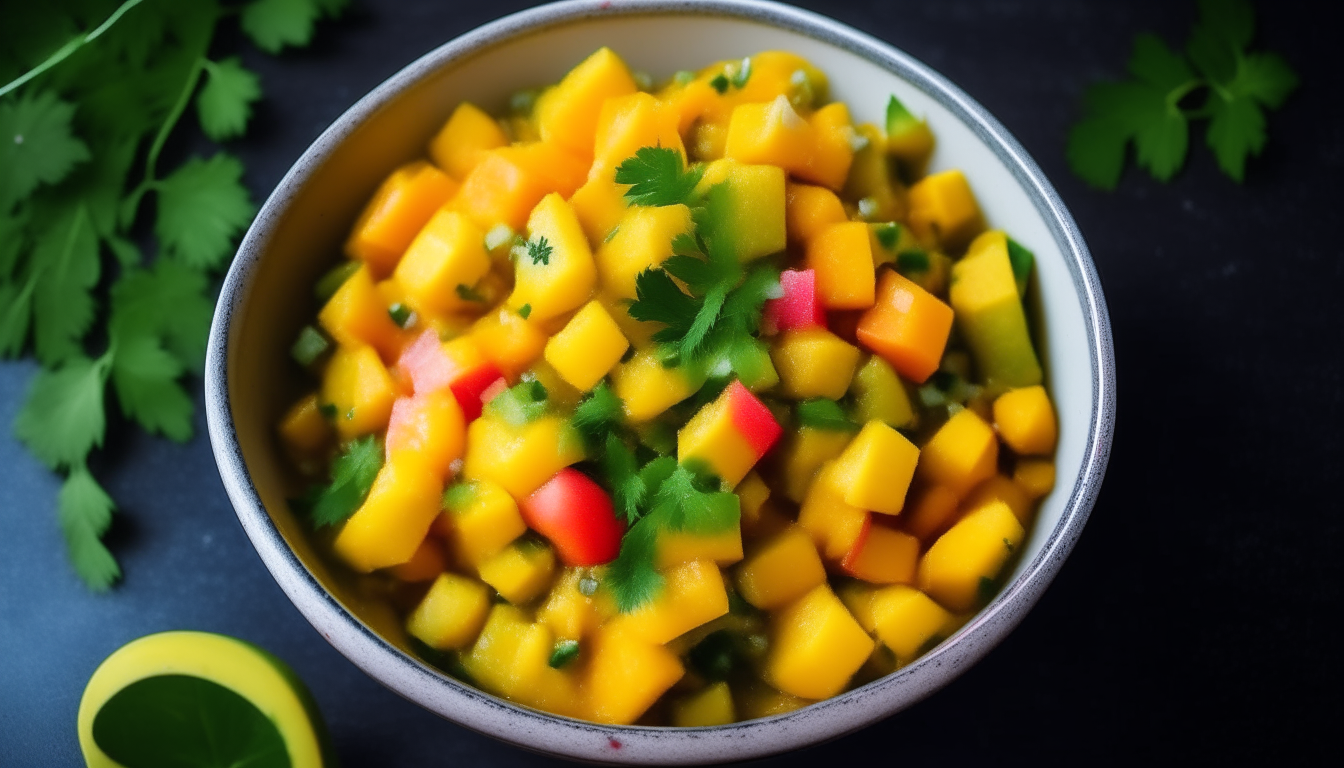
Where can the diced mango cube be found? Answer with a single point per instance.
(509, 340)
(752, 492)
(883, 556)
(908, 326)
(397, 211)
(587, 347)
(813, 362)
(809, 210)
(431, 425)
(568, 113)
(835, 526)
(841, 255)
(482, 518)
(648, 388)
(770, 133)
(389, 526)
(643, 239)
(511, 657)
(992, 318)
(832, 152)
(693, 594)
(1035, 476)
(628, 123)
(1000, 488)
(451, 613)
(943, 210)
(906, 619)
(803, 453)
(357, 315)
(599, 205)
(677, 547)
(569, 612)
(426, 564)
(508, 182)
(752, 206)
(449, 252)
(880, 395)
(626, 674)
(361, 390)
(1026, 420)
(305, 432)
(961, 454)
(564, 278)
(520, 458)
(816, 646)
(780, 570)
(711, 706)
(729, 435)
(963, 564)
(876, 467)
(463, 140)
(520, 571)
(931, 510)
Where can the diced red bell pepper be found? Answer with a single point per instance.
(457, 365)
(799, 307)
(578, 518)
(752, 419)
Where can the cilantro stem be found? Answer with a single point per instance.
(75, 43)
(1180, 92)
(132, 202)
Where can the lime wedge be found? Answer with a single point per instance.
(195, 699)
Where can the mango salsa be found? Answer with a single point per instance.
(675, 405)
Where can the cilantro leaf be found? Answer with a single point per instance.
(539, 250)
(628, 489)
(37, 145)
(352, 475)
(1237, 129)
(1224, 29)
(520, 404)
(657, 176)
(144, 376)
(225, 102)
(62, 418)
(659, 299)
(202, 207)
(273, 24)
(681, 504)
(1266, 78)
(826, 414)
(64, 268)
(84, 513)
(171, 302)
(598, 414)
(631, 577)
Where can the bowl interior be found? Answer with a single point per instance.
(298, 235)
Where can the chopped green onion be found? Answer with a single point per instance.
(587, 586)
(329, 283)
(857, 141)
(524, 311)
(350, 414)
(309, 346)
(742, 74)
(521, 103)
(888, 234)
(327, 409)
(467, 293)
(720, 84)
(683, 77)
(803, 94)
(643, 80)
(612, 233)
(499, 236)
(912, 262)
(899, 119)
(565, 651)
(458, 496)
(401, 314)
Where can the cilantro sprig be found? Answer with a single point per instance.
(352, 475)
(90, 93)
(1217, 79)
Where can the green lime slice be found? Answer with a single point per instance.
(198, 700)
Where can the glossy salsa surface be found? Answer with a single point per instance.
(678, 403)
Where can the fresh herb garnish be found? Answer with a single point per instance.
(564, 652)
(824, 414)
(628, 489)
(402, 314)
(309, 346)
(352, 475)
(598, 414)
(888, 234)
(525, 311)
(467, 293)
(742, 73)
(84, 123)
(912, 262)
(719, 83)
(1150, 110)
(539, 250)
(520, 404)
(657, 176)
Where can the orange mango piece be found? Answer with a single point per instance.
(567, 114)
(907, 326)
(400, 207)
(809, 209)
(357, 315)
(841, 254)
(464, 139)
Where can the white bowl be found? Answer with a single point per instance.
(301, 226)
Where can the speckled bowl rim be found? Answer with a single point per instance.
(539, 731)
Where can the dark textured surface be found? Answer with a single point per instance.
(1190, 625)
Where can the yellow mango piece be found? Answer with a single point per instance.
(883, 556)
(876, 468)
(431, 425)
(754, 204)
(770, 133)
(991, 316)
(858, 598)
(627, 123)
(693, 594)
(805, 449)
(1026, 420)
(832, 153)
(599, 205)
(712, 706)
(1036, 477)
(961, 454)
(568, 612)
(752, 493)
(559, 393)
(943, 210)
(808, 210)
(397, 211)
(931, 511)
(426, 564)
(568, 113)
(626, 674)
(841, 255)
(816, 646)
(356, 314)
(960, 569)
(510, 658)
(482, 519)
(463, 140)
(587, 347)
(565, 278)
(389, 526)
(677, 547)
(879, 394)
(813, 362)
(648, 388)
(905, 620)
(834, 525)
(758, 700)
(449, 252)
(520, 571)
(780, 570)
(305, 432)
(712, 439)
(1000, 488)
(643, 239)
(451, 613)
(520, 458)
(358, 385)
(509, 340)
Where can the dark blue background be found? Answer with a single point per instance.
(1189, 626)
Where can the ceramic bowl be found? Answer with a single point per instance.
(301, 226)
